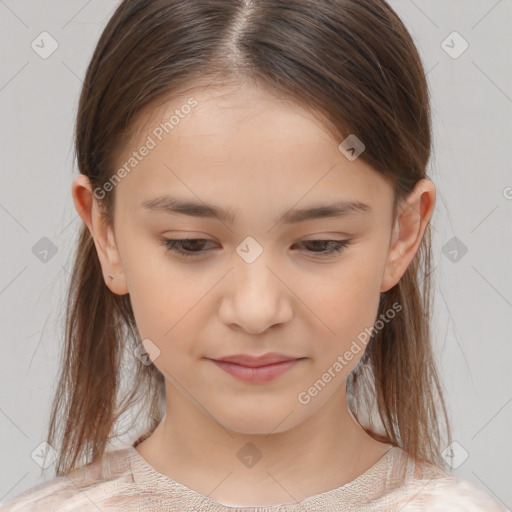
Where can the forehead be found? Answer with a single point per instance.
(242, 145)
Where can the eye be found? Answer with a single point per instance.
(192, 247)
(177, 246)
(335, 247)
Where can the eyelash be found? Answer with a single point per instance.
(172, 244)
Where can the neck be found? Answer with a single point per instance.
(326, 450)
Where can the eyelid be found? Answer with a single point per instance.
(325, 236)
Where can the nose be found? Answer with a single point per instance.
(255, 297)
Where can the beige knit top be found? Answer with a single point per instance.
(123, 480)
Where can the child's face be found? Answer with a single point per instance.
(247, 152)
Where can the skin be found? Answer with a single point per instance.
(243, 149)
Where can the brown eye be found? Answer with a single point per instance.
(188, 247)
(336, 246)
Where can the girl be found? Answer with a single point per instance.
(254, 262)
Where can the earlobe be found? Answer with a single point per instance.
(106, 247)
(413, 217)
(110, 258)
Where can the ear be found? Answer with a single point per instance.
(87, 206)
(412, 218)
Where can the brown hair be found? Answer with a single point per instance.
(351, 62)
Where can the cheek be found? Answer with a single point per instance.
(160, 292)
(347, 306)
(345, 293)
(168, 311)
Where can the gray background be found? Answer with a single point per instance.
(470, 165)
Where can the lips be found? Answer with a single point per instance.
(257, 361)
(259, 374)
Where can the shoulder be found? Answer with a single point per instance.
(432, 489)
(451, 493)
(105, 483)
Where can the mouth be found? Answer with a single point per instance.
(257, 361)
(257, 373)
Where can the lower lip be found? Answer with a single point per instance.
(256, 375)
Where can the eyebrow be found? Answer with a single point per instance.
(173, 205)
